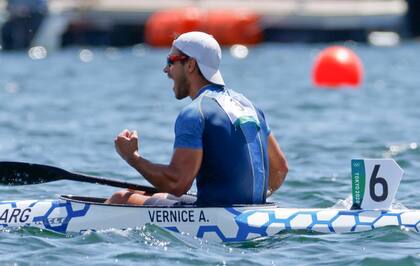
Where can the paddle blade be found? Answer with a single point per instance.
(18, 173)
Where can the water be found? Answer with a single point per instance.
(65, 111)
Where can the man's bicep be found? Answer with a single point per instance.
(186, 162)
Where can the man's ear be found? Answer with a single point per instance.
(192, 65)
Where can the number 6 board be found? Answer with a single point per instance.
(374, 183)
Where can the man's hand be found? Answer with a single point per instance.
(126, 144)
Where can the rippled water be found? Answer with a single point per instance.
(65, 111)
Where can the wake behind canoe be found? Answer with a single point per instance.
(73, 214)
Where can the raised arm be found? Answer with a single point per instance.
(175, 178)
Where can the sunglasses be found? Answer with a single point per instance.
(171, 59)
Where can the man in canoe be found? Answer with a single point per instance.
(221, 139)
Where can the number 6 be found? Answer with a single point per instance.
(378, 180)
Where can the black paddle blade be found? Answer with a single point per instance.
(18, 173)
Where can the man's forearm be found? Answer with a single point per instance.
(278, 164)
(277, 179)
(157, 174)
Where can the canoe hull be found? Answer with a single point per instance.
(226, 224)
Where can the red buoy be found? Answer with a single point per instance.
(228, 26)
(163, 26)
(337, 66)
(231, 27)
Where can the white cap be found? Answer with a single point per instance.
(205, 50)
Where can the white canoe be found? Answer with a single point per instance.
(73, 214)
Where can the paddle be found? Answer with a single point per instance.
(18, 173)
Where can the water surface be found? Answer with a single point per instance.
(66, 112)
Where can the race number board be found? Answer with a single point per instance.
(374, 183)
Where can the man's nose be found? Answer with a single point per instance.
(166, 69)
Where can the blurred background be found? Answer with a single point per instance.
(59, 23)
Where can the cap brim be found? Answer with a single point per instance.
(211, 74)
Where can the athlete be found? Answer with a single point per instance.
(221, 139)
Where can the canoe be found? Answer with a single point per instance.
(76, 214)
(374, 184)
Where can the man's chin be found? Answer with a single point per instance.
(179, 97)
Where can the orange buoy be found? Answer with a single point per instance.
(228, 27)
(163, 26)
(231, 27)
(337, 66)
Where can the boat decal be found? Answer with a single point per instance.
(212, 229)
(257, 222)
(244, 228)
(59, 224)
(13, 214)
(33, 203)
(233, 211)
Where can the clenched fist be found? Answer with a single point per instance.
(126, 144)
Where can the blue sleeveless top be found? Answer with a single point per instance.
(235, 166)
